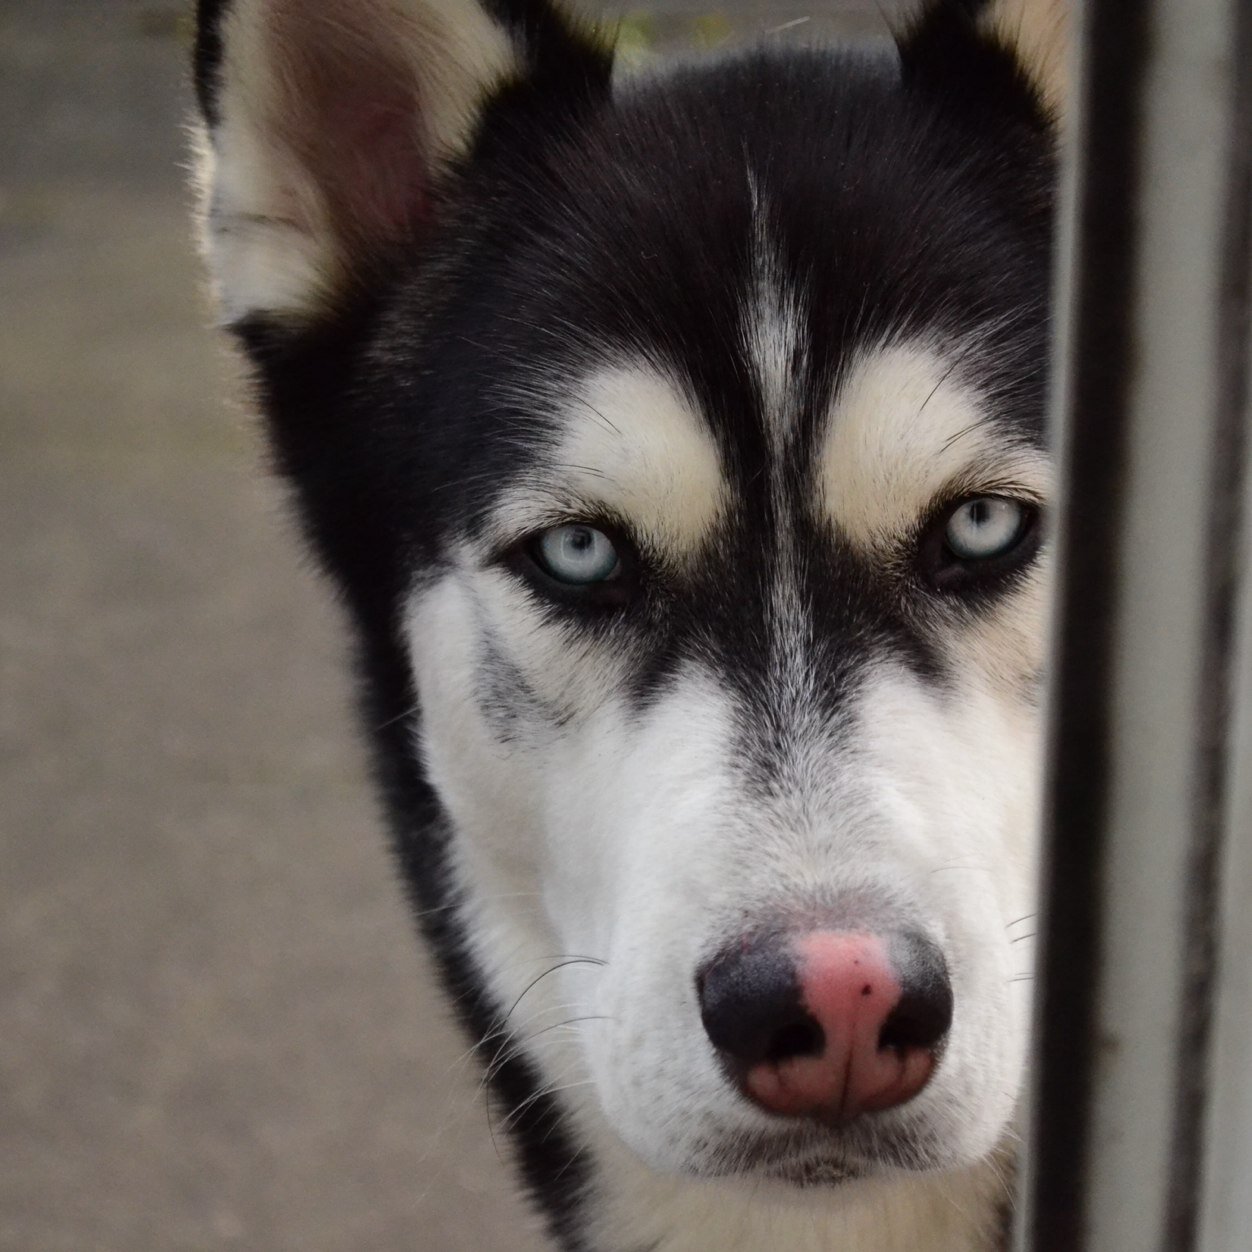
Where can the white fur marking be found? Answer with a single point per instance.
(774, 321)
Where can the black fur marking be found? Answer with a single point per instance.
(508, 702)
(207, 55)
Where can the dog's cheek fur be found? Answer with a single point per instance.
(666, 859)
(522, 740)
(1005, 642)
(571, 843)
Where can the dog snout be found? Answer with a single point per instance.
(828, 1023)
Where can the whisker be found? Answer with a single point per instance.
(535, 1097)
(572, 960)
(568, 1164)
(957, 362)
(591, 1017)
(587, 404)
(510, 1050)
(399, 717)
(502, 1043)
(510, 1044)
(791, 25)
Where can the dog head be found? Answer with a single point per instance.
(677, 446)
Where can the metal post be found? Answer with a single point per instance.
(1140, 812)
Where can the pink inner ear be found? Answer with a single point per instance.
(372, 163)
(351, 110)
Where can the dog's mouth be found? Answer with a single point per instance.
(811, 1172)
(798, 1160)
(815, 1156)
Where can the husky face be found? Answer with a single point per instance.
(767, 714)
(677, 448)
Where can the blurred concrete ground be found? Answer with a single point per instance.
(216, 1029)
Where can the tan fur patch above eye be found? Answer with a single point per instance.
(635, 446)
(902, 431)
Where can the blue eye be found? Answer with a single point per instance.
(984, 527)
(577, 554)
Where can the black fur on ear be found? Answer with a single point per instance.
(554, 41)
(979, 58)
(565, 61)
(206, 56)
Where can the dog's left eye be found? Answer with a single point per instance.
(577, 555)
(984, 528)
(978, 541)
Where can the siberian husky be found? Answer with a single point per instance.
(675, 443)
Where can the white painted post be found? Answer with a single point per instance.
(1143, 1088)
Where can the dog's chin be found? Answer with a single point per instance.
(808, 1173)
(813, 1158)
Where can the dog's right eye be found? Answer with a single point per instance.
(577, 555)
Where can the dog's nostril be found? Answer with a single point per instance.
(923, 1014)
(914, 1026)
(799, 1038)
(750, 1001)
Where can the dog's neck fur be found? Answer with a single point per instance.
(963, 1211)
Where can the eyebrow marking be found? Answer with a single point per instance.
(904, 429)
(630, 442)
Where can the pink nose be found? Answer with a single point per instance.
(828, 1023)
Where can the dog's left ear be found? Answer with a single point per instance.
(971, 44)
(1038, 32)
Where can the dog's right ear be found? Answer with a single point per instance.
(329, 126)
